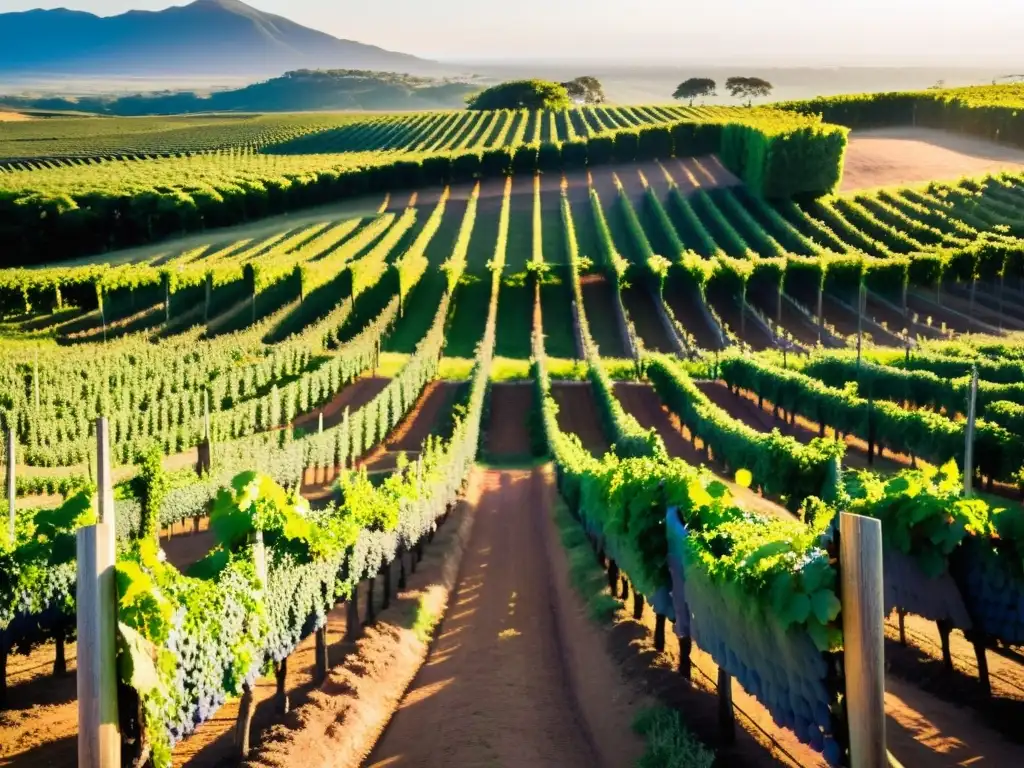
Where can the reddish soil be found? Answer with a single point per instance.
(578, 414)
(896, 156)
(752, 332)
(919, 663)
(355, 395)
(926, 308)
(498, 687)
(984, 309)
(1011, 313)
(417, 426)
(687, 311)
(649, 327)
(921, 730)
(508, 429)
(185, 546)
(691, 174)
(917, 721)
(602, 313)
(40, 725)
(845, 322)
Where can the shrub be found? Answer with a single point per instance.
(522, 94)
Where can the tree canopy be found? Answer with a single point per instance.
(748, 88)
(586, 89)
(522, 94)
(695, 88)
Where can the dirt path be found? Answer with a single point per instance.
(419, 423)
(892, 156)
(355, 395)
(602, 314)
(40, 725)
(578, 414)
(639, 303)
(693, 173)
(685, 306)
(731, 314)
(508, 429)
(186, 547)
(496, 688)
(919, 663)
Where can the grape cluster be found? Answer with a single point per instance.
(780, 666)
(994, 590)
(907, 587)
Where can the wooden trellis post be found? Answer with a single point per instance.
(99, 732)
(972, 405)
(860, 562)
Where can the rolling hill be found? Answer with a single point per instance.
(206, 37)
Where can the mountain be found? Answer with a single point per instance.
(207, 37)
(299, 91)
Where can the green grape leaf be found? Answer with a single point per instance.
(825, 605)
(797, 609)
(137, 660)
(825, 638)
(816, 575)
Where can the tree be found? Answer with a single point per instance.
(748, 88)
(694, 88)
(522, 94)
(585, 90)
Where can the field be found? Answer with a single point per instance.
(898, 156)
(365, 372)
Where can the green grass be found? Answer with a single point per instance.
(520, 240)
(585, 574)
(552, 231)
(425, 621)
(669, 743)
(420, 307)
(472, 299)
(586, 233)
(556, 308)
(391, 363)
(482, 241)
(456, 368)
(515, 318)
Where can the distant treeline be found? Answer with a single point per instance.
(296, 91)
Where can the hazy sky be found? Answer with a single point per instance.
(950, 32)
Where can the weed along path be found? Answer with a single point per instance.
(502, 685)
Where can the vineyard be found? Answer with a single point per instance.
(617, 355)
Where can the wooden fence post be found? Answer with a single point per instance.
(726, 716)
(860, 562)
(972, 405)
(99, 731)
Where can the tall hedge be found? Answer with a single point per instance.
(780, 161)
(988, 112)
